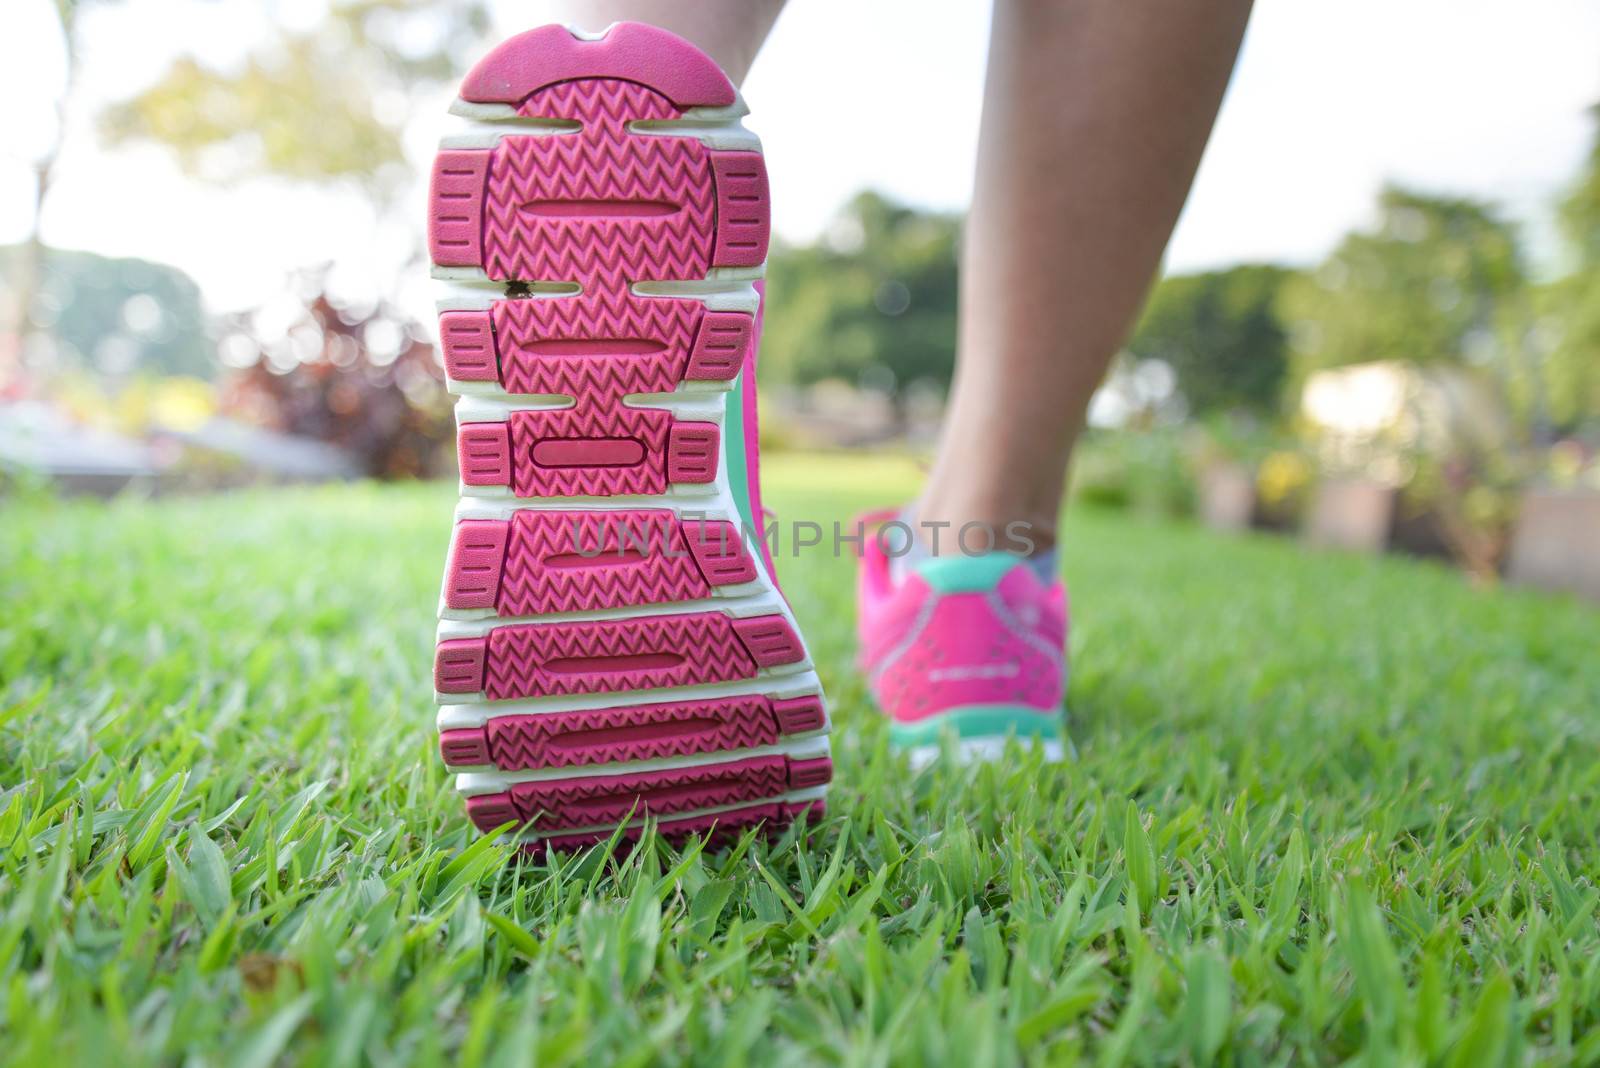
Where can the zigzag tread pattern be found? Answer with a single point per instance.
(634, 557)
(562, 803)
(607, 103)
(642, 732)
(521, 325)
(600, 164)
(651, 651)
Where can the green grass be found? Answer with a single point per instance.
(1325, 807)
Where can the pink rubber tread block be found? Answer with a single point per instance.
(718, 829)
(489, 811)
(477, 555)
(770, 640)
(484, 450)
(469, 350)
(631, 732)
(719, 551)
(693, 452)
(606, 656)
(458, 665)
(719, 346)
(464, 747)
(455, 207)
(743, 211)
(629, 50)
(797, 715)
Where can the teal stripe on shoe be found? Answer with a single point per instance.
(967, 574)
(733, 452)
(980, 721)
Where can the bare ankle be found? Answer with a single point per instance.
(946, 528)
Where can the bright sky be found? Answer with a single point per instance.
(1331, 98)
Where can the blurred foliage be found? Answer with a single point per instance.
(875, 304)
(1471, 498)
(1570, 310)
(323, 104)
(1222, 335)
(358, 378)
(299, 114)
(119, 318)
(1425, 286)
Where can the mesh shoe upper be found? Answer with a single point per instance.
(960, 632)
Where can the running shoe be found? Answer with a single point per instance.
(613, 646)
(969, 649)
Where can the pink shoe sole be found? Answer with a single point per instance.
(611, 649)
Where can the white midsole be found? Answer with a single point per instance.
(763, 603)
(473, 125)
(701, 407)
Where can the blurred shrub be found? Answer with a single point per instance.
(1284, 481)
(1146, 471)
(1277, 462)
(359, 378)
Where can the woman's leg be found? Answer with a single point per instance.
(729, 31)
(1094, 118)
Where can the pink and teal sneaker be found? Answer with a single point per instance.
(970, 647)
(611, 648)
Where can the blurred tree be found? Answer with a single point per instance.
(1221, 334)
(1570, 323)
(874, 304)
(119, 318)
(329, 103)
(26, 272)
(1431, 284)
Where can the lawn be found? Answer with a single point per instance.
(1324, 807)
